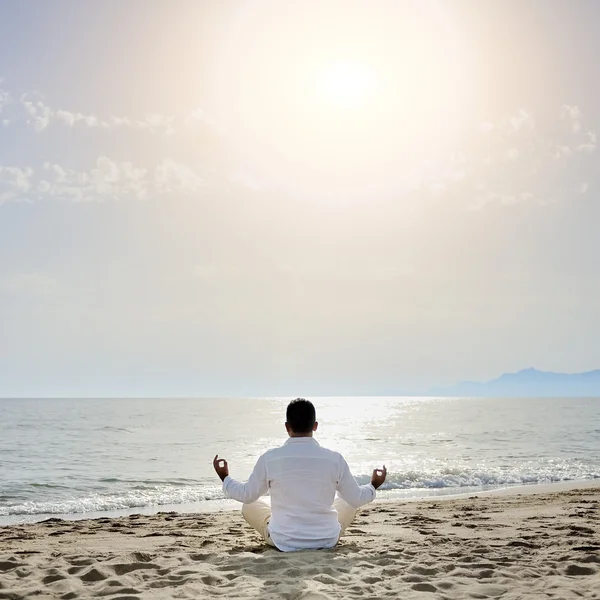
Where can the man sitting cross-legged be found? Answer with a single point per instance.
(302, 478)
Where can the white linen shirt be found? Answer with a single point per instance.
(302, 478)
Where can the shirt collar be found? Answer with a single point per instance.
(301, 440)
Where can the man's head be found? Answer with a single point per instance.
(300, 418)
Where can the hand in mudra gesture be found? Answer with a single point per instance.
(378, 477)
(221, 467)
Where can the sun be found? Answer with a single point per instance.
(346, 84)
(340, 99)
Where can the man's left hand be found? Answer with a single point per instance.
(221, 467)
(378, 477)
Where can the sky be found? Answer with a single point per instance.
(245, 198)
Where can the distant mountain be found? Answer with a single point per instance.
(528, 383)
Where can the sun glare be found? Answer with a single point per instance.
(341, 97)
(347, 85)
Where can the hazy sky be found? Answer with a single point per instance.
(295, 198)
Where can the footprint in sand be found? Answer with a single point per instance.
(52, 578)
(579, 570)
(424, 587)
(7, 565)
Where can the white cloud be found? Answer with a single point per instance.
(153, 122)
(39, 115)
(120, 121)
(5, 122)
(170, 176)
(68, 117)
(196, 115)
(72, 118)
(521, 122)
(573, 115)
(590, 144)
(43, 187)
(563, 151)
(107, 180)
(4, 98)
(515, 158)
(584, 187)
(15, 183)
(157, 123)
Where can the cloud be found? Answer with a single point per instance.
(520, 159)
(107, 180)
(39, 115)
(590, 144)
(522, 121)
(196, 115)
(15, 183)
(33, 110)
(573, 115)
(170, 176)
(516, 158)
(563, 151)
(157, 123)
(72, 118)
(199, 117)
(4, 98)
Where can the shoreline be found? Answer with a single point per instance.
(227, 505)
(514, 546)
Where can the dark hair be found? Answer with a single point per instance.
(300, 415)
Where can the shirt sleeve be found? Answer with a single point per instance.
(256, 486)
(355, 495)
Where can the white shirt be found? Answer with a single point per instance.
(302, 478)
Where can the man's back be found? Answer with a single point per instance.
(302, 478)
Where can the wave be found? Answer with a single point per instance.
(52, 486)
(134, 498)
(115, 429)
(151, 482)
(183, 491)
(471, 479)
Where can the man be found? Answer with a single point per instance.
(302, 478)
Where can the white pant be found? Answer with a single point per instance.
(258, 515)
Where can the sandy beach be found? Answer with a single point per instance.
(507, 545)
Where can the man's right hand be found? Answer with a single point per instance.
(221, 467)
(378, 477)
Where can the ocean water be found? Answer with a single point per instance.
(80, 458)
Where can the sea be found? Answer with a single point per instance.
(81, 458)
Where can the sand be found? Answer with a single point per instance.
(534, 545)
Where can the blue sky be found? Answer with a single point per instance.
(260, 198)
